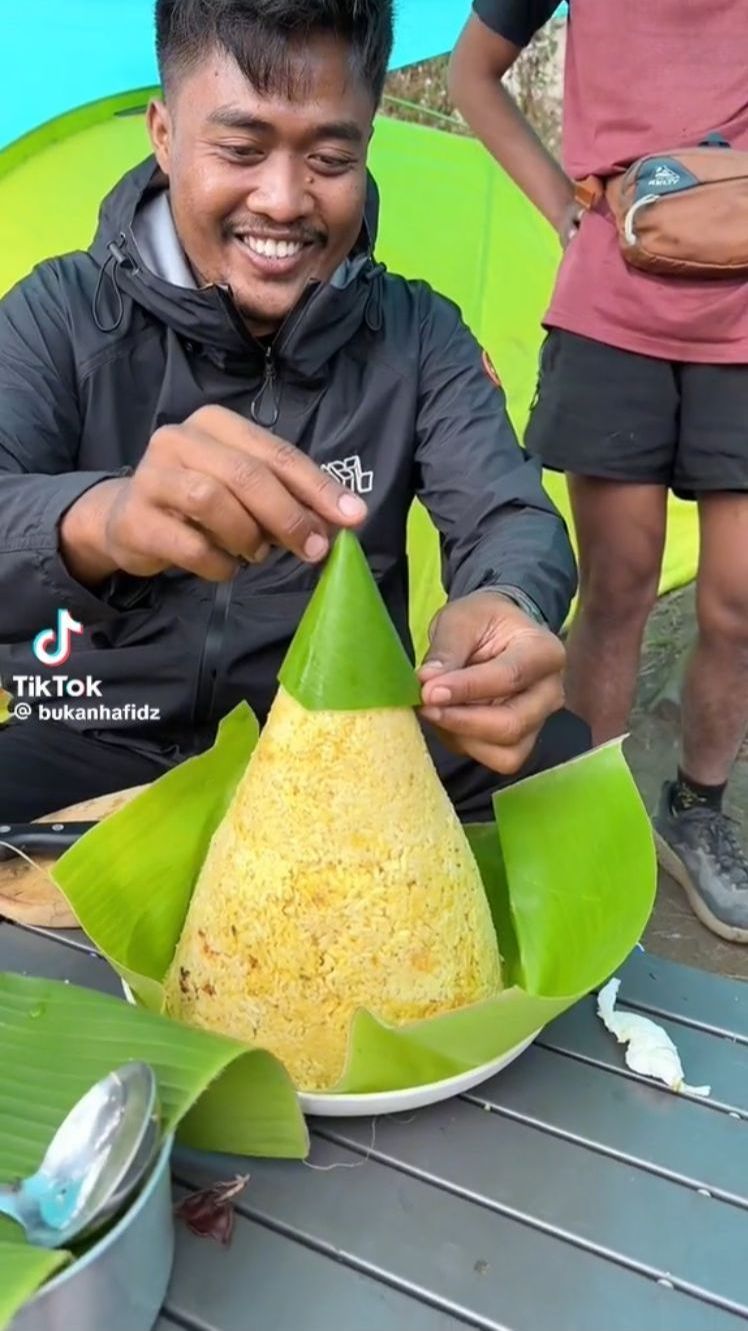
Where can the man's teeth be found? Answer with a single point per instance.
(273, 249)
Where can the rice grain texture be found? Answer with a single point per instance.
(339, 878)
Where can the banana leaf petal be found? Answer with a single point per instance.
(56, 1040)
(568, 867)
(23, 1270)
(346, 654)
(132, 877)
(579, 855)
(47, 1064)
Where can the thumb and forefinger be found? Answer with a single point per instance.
(503, 677)
(450, 648)
(450, 678)
(297, 503)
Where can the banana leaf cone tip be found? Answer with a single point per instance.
(346, 653)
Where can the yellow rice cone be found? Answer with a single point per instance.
(339, 878)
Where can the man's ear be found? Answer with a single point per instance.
(158, 120)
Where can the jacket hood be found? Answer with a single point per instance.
(326, 317)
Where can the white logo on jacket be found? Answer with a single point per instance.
(350, 473)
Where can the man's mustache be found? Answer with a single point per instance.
(263, 230)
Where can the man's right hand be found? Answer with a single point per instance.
(207, 495)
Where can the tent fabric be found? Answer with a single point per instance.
(448, 215)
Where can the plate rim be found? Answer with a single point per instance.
(447, 1086)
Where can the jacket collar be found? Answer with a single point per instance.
(133, 237)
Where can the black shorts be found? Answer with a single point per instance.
(611, 414)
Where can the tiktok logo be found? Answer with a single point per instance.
(52, 646)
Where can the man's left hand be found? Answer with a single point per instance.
(491, 679)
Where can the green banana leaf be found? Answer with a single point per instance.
(56, 1040)
(23, 1270)
(346, 654)
(568, 864)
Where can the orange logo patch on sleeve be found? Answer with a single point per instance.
(490, 369)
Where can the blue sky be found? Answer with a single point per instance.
(59, 54)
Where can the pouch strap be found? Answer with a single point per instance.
(588, 193)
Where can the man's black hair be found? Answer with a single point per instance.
(264, 35)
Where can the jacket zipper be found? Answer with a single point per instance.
(210, 656)
(267, 387)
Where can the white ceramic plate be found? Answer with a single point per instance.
(399, 1102)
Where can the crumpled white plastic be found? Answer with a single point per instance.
(650, 1051)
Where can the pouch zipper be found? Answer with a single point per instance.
(628, 221)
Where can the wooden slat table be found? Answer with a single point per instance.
(567, 1194)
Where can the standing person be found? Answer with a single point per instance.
(191, 408)
(643, 384)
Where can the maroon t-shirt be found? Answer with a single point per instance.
(643, 76)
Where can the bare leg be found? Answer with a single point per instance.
(620, 532)
(697, 844)
(715, 694)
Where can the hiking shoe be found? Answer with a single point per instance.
(701, 850)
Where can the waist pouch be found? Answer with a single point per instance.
(682, 213)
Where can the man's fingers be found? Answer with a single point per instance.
(315, 488)
(208, 503)
(163, 541)
(506, 724)
(280, 515)
(474, 684)
(287, 521)
(531, 658)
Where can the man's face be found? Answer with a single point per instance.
(267, 193)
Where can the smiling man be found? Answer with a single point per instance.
(267, 184)
(190, 409)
